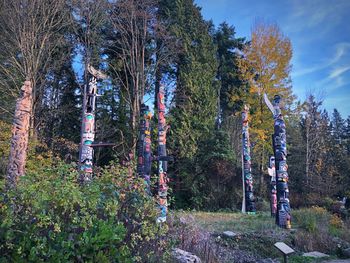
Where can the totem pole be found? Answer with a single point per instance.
(86, 154)
(144, 153)
(283, 213)
(20, 133)
(273, 197)
(248, 204)
(162, 158)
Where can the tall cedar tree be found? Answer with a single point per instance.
(232, 89)
(194, 103)
(339, 154)
(60, 116)
(232, 92)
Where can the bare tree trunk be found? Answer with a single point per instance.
(19, 140)
(135, 111)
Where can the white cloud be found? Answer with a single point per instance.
(335, 79)
(340, 51)
(337, 72)
(315, 13)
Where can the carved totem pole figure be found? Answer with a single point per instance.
(20, 133)
(248, 204)
(88, 126)
(273, 193)
(283, 213)
(144, 152)
(162, 158)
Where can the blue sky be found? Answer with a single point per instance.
(320, 35)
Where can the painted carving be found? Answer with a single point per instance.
(248, 204)
(20, 133)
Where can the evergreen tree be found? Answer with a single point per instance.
(346, 173)
(232, 88)
(69, 112)
(296, 156)
(347, 135)
(325, 160)
(195, 98)
(337, 126)
(218, 183)
(339, 152)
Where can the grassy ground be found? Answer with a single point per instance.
(218, 222)
(256, 234)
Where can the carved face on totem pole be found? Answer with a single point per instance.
(276, 105)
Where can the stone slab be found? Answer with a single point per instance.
(315, 254)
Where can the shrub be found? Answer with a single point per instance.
(5, 136)
(262, 205)
(39, 155)
(310, 218)
(49, 217)
(319, 241)
(328, 202)
(322, 230)
(335, 225)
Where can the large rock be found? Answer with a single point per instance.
(182, 256)
(315, 254)
(229, 234)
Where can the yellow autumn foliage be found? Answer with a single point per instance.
(34, 161)
(265, 66)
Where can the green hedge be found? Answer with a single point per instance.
(50, 218)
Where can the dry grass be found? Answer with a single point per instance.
(186, 235)
(315, 229)
(256, 235)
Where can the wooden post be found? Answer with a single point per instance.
(20, 134)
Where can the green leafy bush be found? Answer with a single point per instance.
(320, 230)
(49, 217)
(5, 136)
(311, 218)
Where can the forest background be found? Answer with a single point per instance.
(209, 74)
